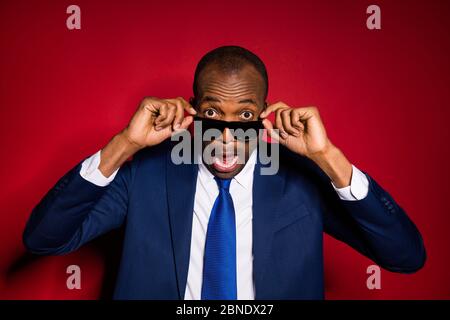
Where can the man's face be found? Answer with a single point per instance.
(235, 97)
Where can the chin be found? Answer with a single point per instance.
(227, 174)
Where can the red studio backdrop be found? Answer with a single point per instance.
(383, 96)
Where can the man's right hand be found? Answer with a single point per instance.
(154, 121)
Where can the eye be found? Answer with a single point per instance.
(210, 113)
(247, 115)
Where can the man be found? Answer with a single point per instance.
(221, 229)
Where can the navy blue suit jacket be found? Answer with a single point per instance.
(154, 199)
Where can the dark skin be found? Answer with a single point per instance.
(230, 97)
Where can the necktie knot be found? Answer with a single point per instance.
(223, 183)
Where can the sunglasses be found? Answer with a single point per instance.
(241, 130)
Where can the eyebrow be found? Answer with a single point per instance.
(251, 101)
(210, 99)
(214, 99)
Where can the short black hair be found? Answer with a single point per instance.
(229, 59)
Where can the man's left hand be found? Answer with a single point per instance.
(301, 130)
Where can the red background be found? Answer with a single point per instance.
(383, 96)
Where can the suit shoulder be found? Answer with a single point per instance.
(153, 153)
(297, 166)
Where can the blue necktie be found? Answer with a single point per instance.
(219, 265)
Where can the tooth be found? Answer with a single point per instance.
(229, 164)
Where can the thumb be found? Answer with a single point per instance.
(162, 134)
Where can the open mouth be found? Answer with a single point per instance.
(225, 162)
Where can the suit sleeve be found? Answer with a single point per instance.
(75, 211)
(377, 227)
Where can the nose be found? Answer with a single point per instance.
(227, 137)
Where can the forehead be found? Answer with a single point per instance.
(245, 82)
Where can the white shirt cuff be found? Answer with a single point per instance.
(358, 188)
(90, 172)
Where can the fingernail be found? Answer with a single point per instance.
(284, 135)
(157, 128)
(175, 127)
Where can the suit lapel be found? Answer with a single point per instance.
(267, 193)
(181, 184)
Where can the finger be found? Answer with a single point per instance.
(295, 120)
(187, 106)
(184, 104)
(272, 108)
(270, 130)
(279, 124)
(169, 118)
(164, 133)
(305, 113)
(162, 110)
(286, 119)
(186, 122)
(179, 114)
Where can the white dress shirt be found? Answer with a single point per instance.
(241, 190)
